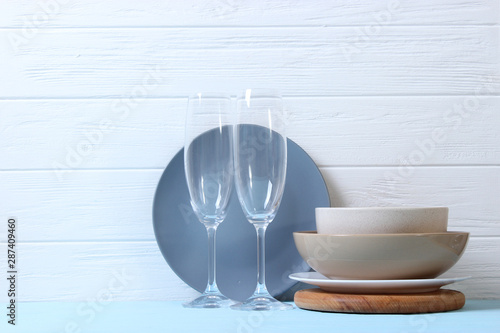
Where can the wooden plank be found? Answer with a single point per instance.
(79, 13)
(470, 193)
(102, 205)
(370, 131)
(404, 60)
(75, 134)
(81, 271)
(388, 131)
(116, 204)
(87, 271)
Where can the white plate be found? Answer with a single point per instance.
(373, 286)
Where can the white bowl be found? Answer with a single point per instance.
(381, 220)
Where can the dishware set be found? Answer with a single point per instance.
(356, 252)
(379, 252)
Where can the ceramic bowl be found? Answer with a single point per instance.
(381, 256)
(381, 220)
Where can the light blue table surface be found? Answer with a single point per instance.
(37, 317)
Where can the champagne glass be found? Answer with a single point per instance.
(208, 160)
(260, 157)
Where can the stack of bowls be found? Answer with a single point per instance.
(381, 243)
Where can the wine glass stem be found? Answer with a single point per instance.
(212, 284)
(261, 259)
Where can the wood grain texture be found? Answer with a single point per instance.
(94, 271)
(92, 13)
(96, 205)
(81, 271)
(117, 204)
(324, 61)
(470, 193)
(352, 131)
(436, 301)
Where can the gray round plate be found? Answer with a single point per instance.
(182, 239)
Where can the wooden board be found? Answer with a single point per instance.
(436, 301)
(39, 134)
(115, 205)
(320, 61)
(157, 13)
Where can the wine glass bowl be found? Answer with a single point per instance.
(261, 156)
(209, 165)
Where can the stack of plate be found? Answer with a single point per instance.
(360, 250)
(389, 250)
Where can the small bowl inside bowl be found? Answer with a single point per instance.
(381, 256)
(381, 220)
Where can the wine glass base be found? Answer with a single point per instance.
(209, 302)
(261, 303)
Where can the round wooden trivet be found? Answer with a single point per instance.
(436, 301)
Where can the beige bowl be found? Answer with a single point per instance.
(383, 256)
(381, 220)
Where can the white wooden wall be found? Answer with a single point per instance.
(398, 102)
